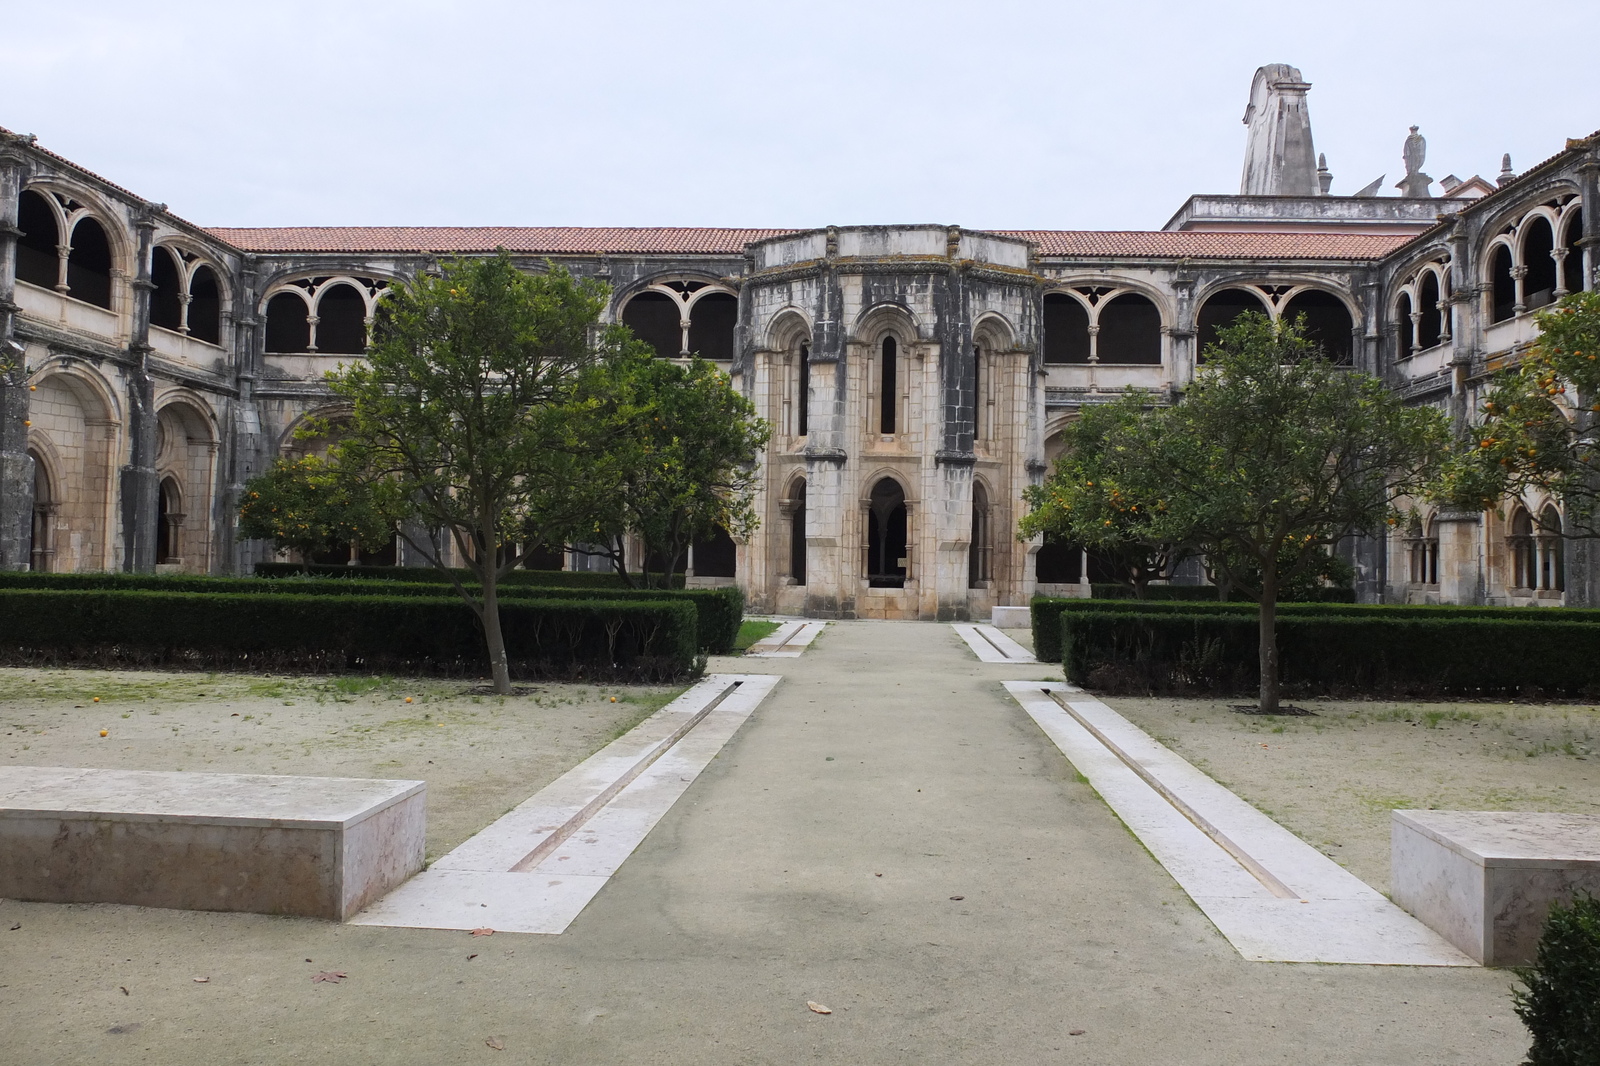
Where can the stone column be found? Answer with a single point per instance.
(140, 486)
(832, 570)
(1460, 557)
(16, 465)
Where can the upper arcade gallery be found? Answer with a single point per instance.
(916, 377)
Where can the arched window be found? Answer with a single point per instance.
(802, 392)
(797, 532)
(980, 553)
(1130, 331)
(1327, 321)
(1524, 574)
(205, 306)
(656, 319)
(1430, 325)
(1066, 329)
(1551, 568)
(341, 321)
(1058, 562)
(288, 324)
(38, 254)
(89, 263)
(888, 378)
(1221, 310)
(169, 522)
(1504, 292)
(1403, 325)
(1539, 284)
(41, 547)
(166, 299)
(711, 323)
(1572, 266)
(1424, 550)
(888, 555)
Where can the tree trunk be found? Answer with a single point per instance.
(1269, 640)
(498, 667)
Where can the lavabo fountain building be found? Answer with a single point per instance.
(916, 377)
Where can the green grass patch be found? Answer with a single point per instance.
(750, 631)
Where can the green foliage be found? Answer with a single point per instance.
(718, 611)
(631, 639)
(1047, 612)
(432, 575)
(461, 414)
(1561, 1003)
(1300, 593)
(303, 505)
(1332, 650)
(1533, 434)
(677, 449)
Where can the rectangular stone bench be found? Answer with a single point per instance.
(1484, 880)
(319, 847)
(1011, 618)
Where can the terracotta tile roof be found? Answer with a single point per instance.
(551, 240)
(1161, 244)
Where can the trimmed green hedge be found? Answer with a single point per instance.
(1330, 653)
(428, 574)
(720, 610)
(1046, 612)
(1208, 593)
(639, 640)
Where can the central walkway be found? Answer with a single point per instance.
(892, 837)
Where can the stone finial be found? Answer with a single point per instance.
(1324, 175)
(1415, 184)
(1279, 159)
(1507, 175)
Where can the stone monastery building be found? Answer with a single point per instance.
(916, 376)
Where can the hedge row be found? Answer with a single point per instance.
(1046, 613)
(613, 639)
(1208, 593)
(431, 575)
(1331, 654)
(720, 610)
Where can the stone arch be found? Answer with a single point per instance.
(91, 264)
(661, 311)
(341, 313)
(792, 510)
(42, 530)
(168, 288)
(288, 315)
(980, 549)
(713, 314)
(1573, 276)
(789, 327)
(992, 335)
(879, 320)
(1065, 325)
(1405, 325)
(291, 445)
(886, 510)
(1500, 268)
(41, 220)
(889, 332)
(73, 412)
(186, 451)
(1430, 316)
(1221, 307)
(1329, 321)
(1127, 328)
(169, 522)
(203, 315)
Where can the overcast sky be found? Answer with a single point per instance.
(992, 114)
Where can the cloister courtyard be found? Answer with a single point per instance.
(886, 836)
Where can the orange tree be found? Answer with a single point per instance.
(305, 506)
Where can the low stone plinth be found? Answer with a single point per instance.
(1011, 618)
(1484, 880)
(319, 847)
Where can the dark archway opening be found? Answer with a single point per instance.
(205, 306)
(716, 555)
(1066, 329)
(980, 553)
(1327, 322)
(977, 393)
(41, 536)
(655, 318)
(802, 394)
(1430, 325)
(38, 258)
(711, 323)
(1539, 285)
(1058, 562)
(166, 299)
(89, 264)
(888, 384)
(288, 324)
(1504, 297)
(1221, 310)
(1572, 265)
(1404, 326)
(888, 557)
(169, 516)
(341, 321)
(1130, 331)
(797, 534)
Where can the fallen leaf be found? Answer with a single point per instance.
(1075, 1032)
(332, 977)
(124, 989)
(483, 932)
(818, 1008)
(495, 1043)
(15, 926)
(958, 898)
(877, 875)
(124, 1029)
(472, 956)
(202, 980)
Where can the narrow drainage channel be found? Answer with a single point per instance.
(596, 805)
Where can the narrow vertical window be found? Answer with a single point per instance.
(977, 393)
(886, 396)
(802, 417)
